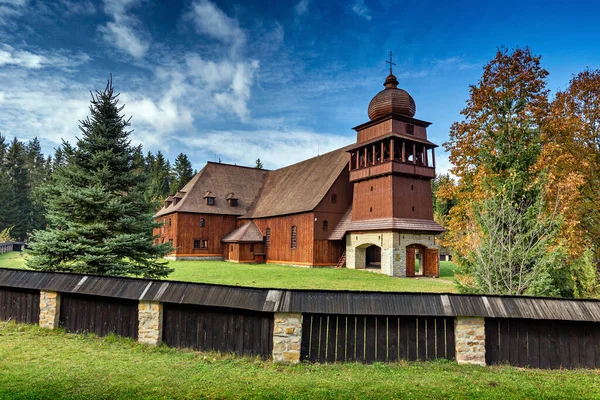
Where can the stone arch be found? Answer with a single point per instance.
(360, 254)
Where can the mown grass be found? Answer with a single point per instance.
(36, 363)
(287, 277)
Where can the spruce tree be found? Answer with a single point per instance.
(182, 173)
(98, 220)
(18, 204)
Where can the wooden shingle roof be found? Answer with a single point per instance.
(219, 180)
(299, 187)
(247, 233)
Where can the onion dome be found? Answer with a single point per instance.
(392, 100)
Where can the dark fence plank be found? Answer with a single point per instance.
(20, 305)
(99, 315)
(542, 344)
(220, 329)
(381, 338)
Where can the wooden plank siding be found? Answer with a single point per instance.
(185, 228)
(542, 344)
(99, 315)
(329, 338)
(226, 330)
(242, 252)
(20, 305)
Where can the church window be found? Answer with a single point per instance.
(169, 221)
(268, 240)
(233, 202)
(202, 222)
(171, 241)
(333, 198)
(370, 209)
(325, 225)
(294, 241)
(252, 248)
(196, 243)
(204, 244)
(210, 201)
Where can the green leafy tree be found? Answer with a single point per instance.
(515, 248)
(182, 173)
(98, 220)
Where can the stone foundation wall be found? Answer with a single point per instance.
(150, 322)
(49, 309)
(469, 334)
(287, 336)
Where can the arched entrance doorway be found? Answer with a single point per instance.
(373, 257)
(415, 260)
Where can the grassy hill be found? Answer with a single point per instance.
(39, 364)
(286, 277)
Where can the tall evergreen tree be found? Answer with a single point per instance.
(98, 220)
(182, 172)
(160, 178)
(258, 164)
(19, 203)
(38, 174)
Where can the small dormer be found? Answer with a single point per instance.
(232, 200)
(177, 197)
(169, 201)
(210, 198)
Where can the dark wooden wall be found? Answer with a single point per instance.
(333, 212)
(186, 228)
(329, 338)
(542, 344)
(220, 329)
(19, 305)
(412, 192)
(372, 199)
(99, 315)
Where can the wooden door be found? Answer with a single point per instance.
(410, 261)
(431, 264)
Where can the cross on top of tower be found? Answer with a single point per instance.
(390, 62)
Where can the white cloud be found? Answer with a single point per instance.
(9, 9)
(124, 31)
(229, 83)
(360, 8)
(9, 56)
(210, 20)
(79, 7)
(275, 148)
(302, 7)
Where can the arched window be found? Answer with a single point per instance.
(202, 222)
(325, 225)
(333, 198)
(294, 241)
(268, 240)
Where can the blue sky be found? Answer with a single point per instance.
(238, 80)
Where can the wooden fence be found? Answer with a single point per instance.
(329, 338)
(311, 325)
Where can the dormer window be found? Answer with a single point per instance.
(210, 198)
(232, 200)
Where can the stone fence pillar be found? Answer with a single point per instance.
(49, 309)
(470, 340)
(150, 322)
(287, 336)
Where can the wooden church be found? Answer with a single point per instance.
(367, 205)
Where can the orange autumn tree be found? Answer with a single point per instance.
(495, 151)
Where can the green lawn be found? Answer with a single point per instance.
(37, 364)
(286, 277)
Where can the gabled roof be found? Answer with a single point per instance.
(248, 233)
(219, 180)
(346, 224)
(299, 187)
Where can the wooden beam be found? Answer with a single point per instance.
(382, 154)
(403, 151)
(392, 149)
(425, 161)
(414, 153)
(374, 160)
(433, 157)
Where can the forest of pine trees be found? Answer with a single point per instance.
(23, 169)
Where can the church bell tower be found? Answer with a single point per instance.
(391, 168)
